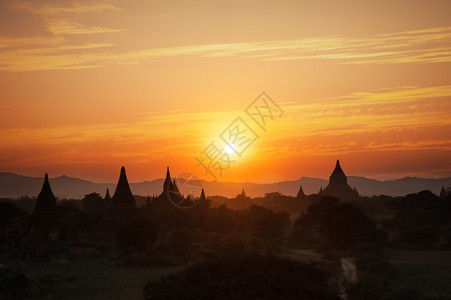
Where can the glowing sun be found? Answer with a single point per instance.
(230, 148)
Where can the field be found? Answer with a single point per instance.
(426, 272)
(90, 279)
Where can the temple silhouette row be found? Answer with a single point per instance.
(50, 221)
(123, 202)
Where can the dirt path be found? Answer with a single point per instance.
(349, 275)
(349, 270)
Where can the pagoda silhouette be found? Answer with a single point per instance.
(122, 203)
(107, 198)
(47, 219)
(171, 195)
(46, 201)
(338, 186)
(170, 190)
(301, 195)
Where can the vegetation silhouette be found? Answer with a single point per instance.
(249, 239)
(245, 277)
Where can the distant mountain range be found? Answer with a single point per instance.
(14, 185)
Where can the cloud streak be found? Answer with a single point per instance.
(431, 45)
(42, 8)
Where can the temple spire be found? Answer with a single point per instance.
(167, 182)
(202, 196)
(123, 197)
(46, 199)
(107, 195)
(301, 194)
(338, 176)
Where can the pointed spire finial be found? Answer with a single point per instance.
(167, 182)
(202, 195)
(107, 195)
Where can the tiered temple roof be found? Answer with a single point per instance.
(338, 186)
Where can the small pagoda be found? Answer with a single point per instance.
(301, 195)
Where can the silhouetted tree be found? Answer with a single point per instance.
(264, 222)
(93, 203)
(345, 227)
(341, 225)
(246, 277)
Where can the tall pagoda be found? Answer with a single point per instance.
(123, 200)
(46, 201)
(167, 185)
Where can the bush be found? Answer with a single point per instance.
(346, 227)
(246, 277)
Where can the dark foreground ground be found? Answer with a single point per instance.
(428, 272)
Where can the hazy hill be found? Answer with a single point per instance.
(14, 185)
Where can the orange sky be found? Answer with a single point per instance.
(89, 86)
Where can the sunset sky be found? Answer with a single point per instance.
(89, 86)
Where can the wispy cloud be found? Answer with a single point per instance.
(431, 45)
(64, 45)
(43, 8)
(62, 27)
(403, 118)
